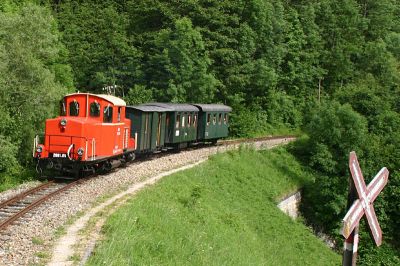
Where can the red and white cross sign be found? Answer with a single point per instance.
(367, 195)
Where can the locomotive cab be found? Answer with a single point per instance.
(91, 132)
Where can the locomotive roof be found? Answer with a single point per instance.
(176, 107)
(110, 98)
(150, 108)
(214, 107)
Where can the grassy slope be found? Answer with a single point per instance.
(220, 213)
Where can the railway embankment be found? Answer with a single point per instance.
(220, 212)
(30, 240)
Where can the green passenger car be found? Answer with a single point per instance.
(213, 122)
(147, 127)
(180, 125)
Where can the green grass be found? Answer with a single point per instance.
(12, 181)
(222, 212)
(37, 241)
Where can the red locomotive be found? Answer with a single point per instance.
(85, 121)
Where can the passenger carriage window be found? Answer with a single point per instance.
(95, 109)
(220, 119)
(183, 121)
(189, 120)
(194, 120)
(74, 108)
(225, 118)
(178, 120)
(208, 119)
(214, 119)
(167, 120)
(108, 113)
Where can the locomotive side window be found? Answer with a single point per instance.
(119, 114)
(74, 108)
(63, 109)
(226, 118)
(108, 113)
(95, 109)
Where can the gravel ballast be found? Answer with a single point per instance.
(30, 241)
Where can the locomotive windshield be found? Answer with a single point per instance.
(95, 109)
(74, 108)
(108, 113)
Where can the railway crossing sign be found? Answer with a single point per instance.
(361, 205)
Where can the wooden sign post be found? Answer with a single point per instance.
(362, 204)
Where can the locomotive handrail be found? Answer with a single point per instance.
(35, 143)
(70, 145)
(70, 141)
(69, 150)
(69, 136)
(93, 149)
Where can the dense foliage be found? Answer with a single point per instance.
(328, 67)
(32, 66)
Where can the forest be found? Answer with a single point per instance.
(329, 70)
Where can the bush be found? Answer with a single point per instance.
(9, 165)
(334, 130)
(138, 94)
(248, 122)
(283, 110)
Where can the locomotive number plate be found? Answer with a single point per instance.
(59, 155)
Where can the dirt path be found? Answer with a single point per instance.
(65, 248)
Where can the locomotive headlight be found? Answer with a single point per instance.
(39, 149)
(63, 122)
(80, 151)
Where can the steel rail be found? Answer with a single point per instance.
(25, 194)
(35, 203)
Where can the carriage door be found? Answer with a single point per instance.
(168, 128)
(119, 139)
(158, 139)
(147, 131)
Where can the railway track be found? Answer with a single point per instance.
(17, 206)
(238, 141)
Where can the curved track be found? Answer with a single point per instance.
(15, 207)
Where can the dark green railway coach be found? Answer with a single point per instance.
(147, 126)
(180, 124)
(213, 122)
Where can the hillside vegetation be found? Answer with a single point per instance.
(324, 67)
(222, 212)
